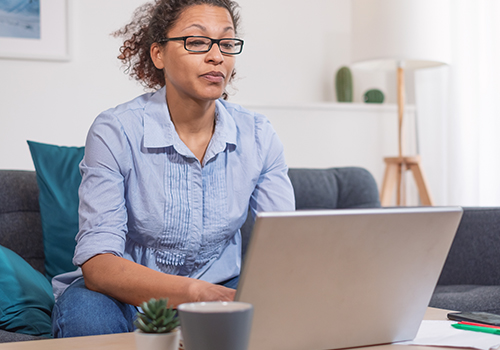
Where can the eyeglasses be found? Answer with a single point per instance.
(228, 46)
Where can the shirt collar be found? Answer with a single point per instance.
(159, 131)
(158, 128)
(225, 128)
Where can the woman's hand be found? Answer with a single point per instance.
(205, 291)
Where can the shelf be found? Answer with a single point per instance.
(330, 106)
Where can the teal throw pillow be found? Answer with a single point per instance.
(26, 298)
(58, 177)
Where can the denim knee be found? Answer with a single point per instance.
(232, 283)
(80, 312)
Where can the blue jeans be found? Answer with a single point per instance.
(80, 312)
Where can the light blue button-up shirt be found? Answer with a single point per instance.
(146, 197)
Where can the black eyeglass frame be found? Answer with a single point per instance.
(213, 41)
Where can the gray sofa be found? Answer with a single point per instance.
(20, 223)
(470, 279)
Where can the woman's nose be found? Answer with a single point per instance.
(215, 54)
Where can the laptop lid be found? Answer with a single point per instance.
(333, 279)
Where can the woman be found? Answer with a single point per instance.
(168, 177)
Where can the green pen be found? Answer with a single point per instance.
(476, 328)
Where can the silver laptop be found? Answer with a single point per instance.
(334, 279)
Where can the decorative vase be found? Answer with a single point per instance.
(157, 341)
(374, 96)
(343, 85)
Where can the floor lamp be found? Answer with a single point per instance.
(401, 35)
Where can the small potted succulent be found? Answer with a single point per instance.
(157, 326)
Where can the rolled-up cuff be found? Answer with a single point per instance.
(92, 244)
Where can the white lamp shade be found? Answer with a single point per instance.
(414, 32)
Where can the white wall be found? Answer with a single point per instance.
(432, 101)
(55, 102)
(326, 135)
(292, 51)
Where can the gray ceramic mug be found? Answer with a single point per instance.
(216, 325)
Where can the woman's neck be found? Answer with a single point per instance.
(194, 122)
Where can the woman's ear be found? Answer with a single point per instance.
(156, 54)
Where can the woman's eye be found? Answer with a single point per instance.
(197, 43)
(227, 46)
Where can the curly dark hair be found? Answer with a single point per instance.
(150, 23)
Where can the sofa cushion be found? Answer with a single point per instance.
(334, 188)
(58, 178)
(467, 298)
(473, 257)
(26, 298)
(20, 224)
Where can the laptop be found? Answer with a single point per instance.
(331, 279)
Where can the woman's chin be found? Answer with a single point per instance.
(205, 94)
(212, 95)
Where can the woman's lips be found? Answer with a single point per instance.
(214, 77)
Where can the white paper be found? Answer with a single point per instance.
(441, 333)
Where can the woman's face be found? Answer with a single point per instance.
(199, 76)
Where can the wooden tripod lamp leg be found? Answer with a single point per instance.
(395, 169)
(390, 181)
(425, 196)
(396, 166)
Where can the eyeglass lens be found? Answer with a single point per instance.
(229, 46)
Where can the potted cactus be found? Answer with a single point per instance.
(157, 326)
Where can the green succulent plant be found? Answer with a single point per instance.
(156, 317)
(374, 96)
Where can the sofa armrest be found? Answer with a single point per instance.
(474, 257)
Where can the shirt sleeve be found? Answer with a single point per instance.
(274, 191)
(102, 210)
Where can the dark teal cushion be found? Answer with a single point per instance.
(58, 178)
(26, 298)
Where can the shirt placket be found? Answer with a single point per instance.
(195, 195)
